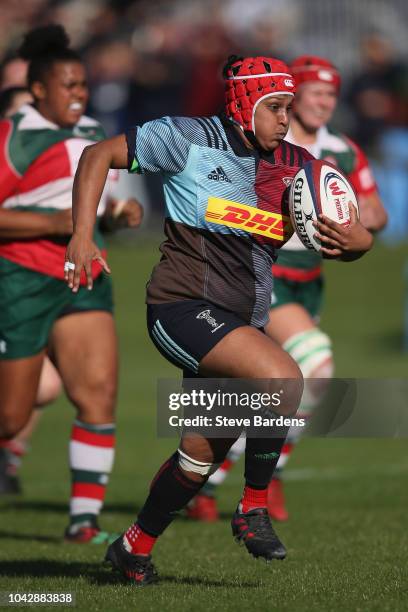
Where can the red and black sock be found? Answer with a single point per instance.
(170, 491)
(261, 457)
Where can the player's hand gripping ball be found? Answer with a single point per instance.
(319, 188)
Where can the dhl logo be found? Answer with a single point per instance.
(249, 219)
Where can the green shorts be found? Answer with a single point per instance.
(31, 302)
(308, 294)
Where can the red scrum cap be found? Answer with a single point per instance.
(312, 68)
(252, 79)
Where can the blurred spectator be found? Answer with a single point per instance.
(110, 66)
(379, 93)
(379, 99)
(145, 58)
(203, 94)
(12, 99)
(13, 73)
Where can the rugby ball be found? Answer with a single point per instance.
(319, 188)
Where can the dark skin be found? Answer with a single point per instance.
(264, 357)
(63, 95)
(83, 345)
(61, 98)
(271, 125)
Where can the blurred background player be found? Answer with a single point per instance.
(298, 280)
(11, 100)
(41, 147)
(211, 278)
(11, 452)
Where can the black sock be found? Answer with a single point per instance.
(170, 491)
(261, 457)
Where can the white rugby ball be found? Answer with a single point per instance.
(319, 188)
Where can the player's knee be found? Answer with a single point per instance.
(286, 380)
(95, 400)
(195, 469)
(312, 351)
(12, 424)
(278, 367)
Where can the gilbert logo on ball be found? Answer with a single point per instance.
(319, 188)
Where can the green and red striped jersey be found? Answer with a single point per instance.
(38, 161)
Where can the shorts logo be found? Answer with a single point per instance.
(219, 175)
(249, 219)
(206, 315)
(3, 346)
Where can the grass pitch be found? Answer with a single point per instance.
(346, 536)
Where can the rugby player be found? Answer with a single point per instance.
(298, 280)
(41, 146)
(11, 451)
(211, 266)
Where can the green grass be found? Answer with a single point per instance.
(346, 537)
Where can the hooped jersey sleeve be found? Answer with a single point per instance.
(9, 176)
(361, 176)
(157, 146)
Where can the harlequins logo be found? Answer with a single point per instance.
(206, 315)
(218, 175)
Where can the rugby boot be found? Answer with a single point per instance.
(255, 530)
(203, 508)
(137, 569)
(9, 483)
(276, 501)
(88, 533)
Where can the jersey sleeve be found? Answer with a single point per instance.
(361, 176)
(9, 177)
(157, 146)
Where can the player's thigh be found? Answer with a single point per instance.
(247, 352)
(287, 321)
(18, 383)
(84, 347)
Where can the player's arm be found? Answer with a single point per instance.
(90, 178)
(372, 212)
(119, 214)
(16, 224)
(346, 243)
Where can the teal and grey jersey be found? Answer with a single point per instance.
(225, 212)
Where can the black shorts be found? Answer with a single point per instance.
(184, 332)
